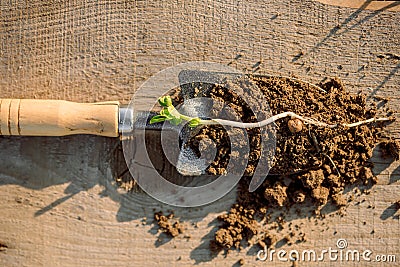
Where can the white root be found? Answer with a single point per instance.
(284, 115)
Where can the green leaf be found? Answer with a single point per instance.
(165, 112)
(194, 122)
(157, 118)
(165, 101)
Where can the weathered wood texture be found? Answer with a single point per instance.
(59, 206)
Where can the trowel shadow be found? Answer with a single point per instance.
(41, 162)
(83, 162)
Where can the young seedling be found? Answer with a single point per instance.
(169, 113)
(295, 124)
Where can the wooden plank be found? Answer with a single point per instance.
(59, 206)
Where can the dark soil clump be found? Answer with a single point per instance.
(391, 148)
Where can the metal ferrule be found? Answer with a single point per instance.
(125, 120)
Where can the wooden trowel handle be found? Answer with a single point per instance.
(32, 117)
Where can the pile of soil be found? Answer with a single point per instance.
(299, 151)
(310, 162)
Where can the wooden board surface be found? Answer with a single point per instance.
(59, 206)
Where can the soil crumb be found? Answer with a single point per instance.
(276, 195)
(168, 224)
